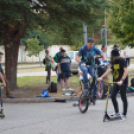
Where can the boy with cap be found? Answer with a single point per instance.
(64, 67)
(120, 76)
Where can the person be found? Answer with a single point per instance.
(116, 46)
(127, 57)
(56, 57)
(48, 60)
(120, 76)
(104, 50)
(3, 77)
(87, 53)
(64, 67)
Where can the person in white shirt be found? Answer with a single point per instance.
(104, 50)
(127, 57)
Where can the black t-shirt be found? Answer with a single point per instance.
(118, 70)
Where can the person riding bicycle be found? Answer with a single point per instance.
(85, 57)
(120, 76)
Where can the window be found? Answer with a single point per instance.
(71, 55)
(76, 54)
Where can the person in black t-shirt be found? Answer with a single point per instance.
(120, 76)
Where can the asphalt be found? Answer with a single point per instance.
(63, 118)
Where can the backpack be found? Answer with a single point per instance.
(44, 61)
(52, 87)
(132, 82)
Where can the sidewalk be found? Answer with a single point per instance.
(44, 73)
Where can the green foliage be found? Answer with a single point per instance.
(34, 47)
(63, 17)
(121, 21)
(42, 37)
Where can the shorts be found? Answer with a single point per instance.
(101, 71)
(65, 74)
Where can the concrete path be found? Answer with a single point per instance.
(44, 73)
(62, 118)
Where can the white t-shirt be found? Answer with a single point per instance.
(105, 54)
(127, 55)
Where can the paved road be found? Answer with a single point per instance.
(62, 118)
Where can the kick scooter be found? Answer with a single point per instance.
(106, 116)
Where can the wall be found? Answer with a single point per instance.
(53, 50)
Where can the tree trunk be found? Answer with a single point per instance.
(12, 35)
(11, 56)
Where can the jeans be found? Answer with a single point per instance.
(128, 61)
(85, 71)
(48, 69)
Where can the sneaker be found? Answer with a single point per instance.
(115, 114)
(63, 89)
(123, 117)
(69, 89)
(94, 99)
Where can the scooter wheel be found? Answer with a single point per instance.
(2, 116)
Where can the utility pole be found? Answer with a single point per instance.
(85, 33)
(105, 23)
(85, 30)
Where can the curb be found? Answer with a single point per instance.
(37, 100)
(50, 99)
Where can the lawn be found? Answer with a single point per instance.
(30, 87)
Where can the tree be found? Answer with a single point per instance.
(121, 21)
(34, 47)
(19, 16)
(42, 37)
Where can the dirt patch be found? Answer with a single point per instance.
(35, 90)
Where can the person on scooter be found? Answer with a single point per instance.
(85, 57)
(120, 76)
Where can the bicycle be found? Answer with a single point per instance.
(85, 101)
(1, 101)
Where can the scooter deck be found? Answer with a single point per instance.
(111, 117)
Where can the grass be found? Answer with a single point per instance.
(23, 81)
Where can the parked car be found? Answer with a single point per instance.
(72, 55)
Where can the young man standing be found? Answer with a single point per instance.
(56, 57)
(64, 67)
(2, 76)
(120, 76)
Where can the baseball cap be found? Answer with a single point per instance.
(116, 45)
(63, 50)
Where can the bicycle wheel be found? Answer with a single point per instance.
(83, 104)
(101, 89)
